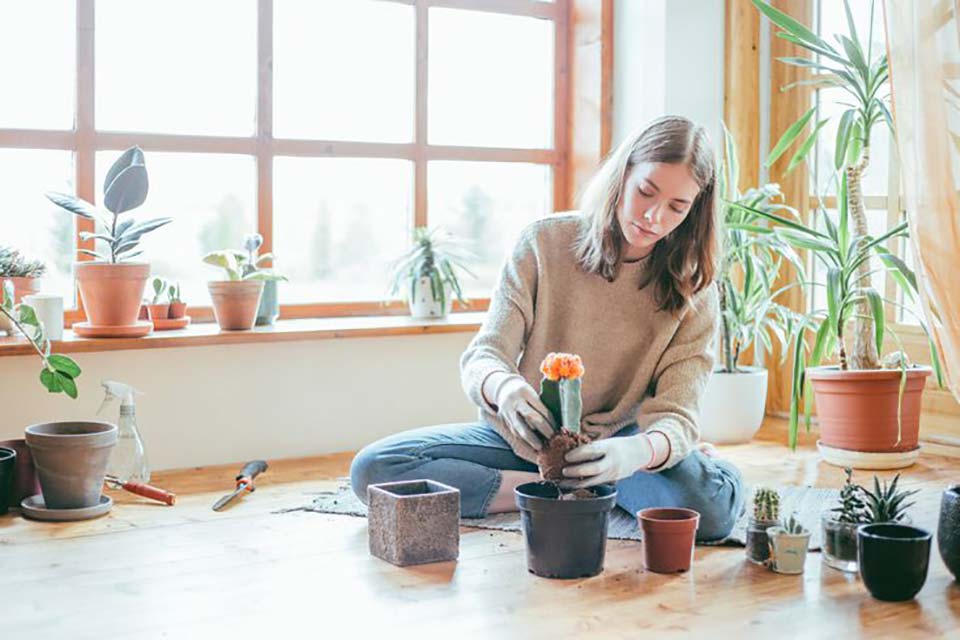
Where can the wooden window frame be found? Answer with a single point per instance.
(582, 97)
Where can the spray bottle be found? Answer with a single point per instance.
(128, 461)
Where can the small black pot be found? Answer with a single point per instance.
(948, 531)
(565, 538)
(893, 560)
(8, 472)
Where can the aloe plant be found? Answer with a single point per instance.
(125, 188)
(434, 255)
(751, 250)
(862, 75)
(59, 372)
(793, 526)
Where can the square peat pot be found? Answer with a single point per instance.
(413, 522)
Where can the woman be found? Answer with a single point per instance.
(626, 283)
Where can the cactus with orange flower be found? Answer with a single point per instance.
(560, 389)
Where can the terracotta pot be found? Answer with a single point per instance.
(178, 310)
(71, 460)
(21, 287)
(144, 314)
(858, 409)
(668, 536)
(158, 311)
(235, 303)
(111, 293)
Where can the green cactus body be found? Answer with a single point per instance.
(563, 399)
(766, 505)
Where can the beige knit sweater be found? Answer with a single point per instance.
(641, 364)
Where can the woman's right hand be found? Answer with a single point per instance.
(520, 407)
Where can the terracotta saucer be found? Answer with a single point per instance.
(137, 330)
(35, 509)
(168, 324)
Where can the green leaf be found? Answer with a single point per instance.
(50, 381)
(843, 137)
(788, 137)
(850, 23)
(843, 231)
(834, 296)
(855, 145)
(879, 321)
(855, 55)
(550, 396)
(789, 24)
(28, 316)
(67, 384)
(804, 148)
(135, 232)
(64, 365)
(73, 204)
(126, 184)
(95, 254)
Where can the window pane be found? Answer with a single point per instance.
(344, 70)
(176, 66)
(490, 80)
(33, 224)
(338, 225)
(212, 200)
(37, 61)
(487, 204)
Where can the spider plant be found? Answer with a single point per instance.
(437, 256)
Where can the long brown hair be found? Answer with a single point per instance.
(682, 263)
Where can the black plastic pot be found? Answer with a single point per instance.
(894, 559)
(8, 471)
(948, 531)
(565, 538)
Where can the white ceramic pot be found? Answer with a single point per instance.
(788, 552)
(732, 406)
(423, 304)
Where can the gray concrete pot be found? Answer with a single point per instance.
(413, 522)
(71, 460)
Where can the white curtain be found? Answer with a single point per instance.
(924, 52)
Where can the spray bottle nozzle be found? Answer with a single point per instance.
(119, 391)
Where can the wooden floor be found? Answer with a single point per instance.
(150, 571)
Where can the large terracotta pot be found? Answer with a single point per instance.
(21, 287)
(235, 302)
(858, 409)
(111, 293)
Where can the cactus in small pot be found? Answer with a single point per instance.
(157, 309)
(560, 391)
(178, 308)
(788, 546)
(766, 513)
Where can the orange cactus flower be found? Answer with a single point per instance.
(562, 366)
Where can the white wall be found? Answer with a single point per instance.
(218, 404)
(668, 59)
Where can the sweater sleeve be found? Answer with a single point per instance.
(500, 340)
(680, 379)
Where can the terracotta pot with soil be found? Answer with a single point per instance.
(858, 415)
(235, 303)
(565, 531)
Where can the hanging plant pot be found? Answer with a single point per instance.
(565, 537)
(858, 411)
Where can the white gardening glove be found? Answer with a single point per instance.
(519, 406)
(607, 460)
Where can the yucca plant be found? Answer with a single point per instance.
(749, 266)
(437, 256)
(863, 75)
(59, 372)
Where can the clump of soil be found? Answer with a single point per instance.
(579, 494)
(551, 458)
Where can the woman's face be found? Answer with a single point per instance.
(656, 198)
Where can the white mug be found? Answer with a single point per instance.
(49, 309)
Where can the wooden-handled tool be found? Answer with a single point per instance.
(141, 489)
(244, 483)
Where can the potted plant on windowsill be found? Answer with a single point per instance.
(734, 401)
(23, 273)
(237, 298)
(111, 286)
(269, 309)
(869, 416)
(858, 506)
(427, 273)
(157, 309)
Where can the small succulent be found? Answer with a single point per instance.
(766, 505)
(885, 502)
(159, 288)
(246, 264)
(59, 372)
(852, 507)
(793, 526)
(14, 264)
(125, 188)
(173, 293)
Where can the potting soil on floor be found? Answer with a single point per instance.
(807, 502)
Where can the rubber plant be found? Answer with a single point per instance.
(843, 246)
(749, 266)
(59, 372)
(437, 256)
(560, 391)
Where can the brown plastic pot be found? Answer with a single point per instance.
(158, 311)
(26, 482)
(112, 293)
(235, 303)
(858, 409)
(178, 310)
(668, 537)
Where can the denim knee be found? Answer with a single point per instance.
(368, 467)
(719, 513)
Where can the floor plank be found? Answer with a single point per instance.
(150, 571)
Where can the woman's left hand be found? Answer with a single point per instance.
(607, 460)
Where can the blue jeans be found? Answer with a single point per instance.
(471, 456)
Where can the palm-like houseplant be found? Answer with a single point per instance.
(431, 265)
(881, 399)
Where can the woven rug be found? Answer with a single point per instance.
(807, 502)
